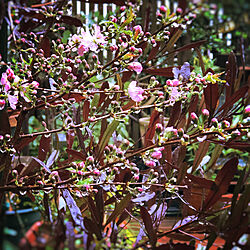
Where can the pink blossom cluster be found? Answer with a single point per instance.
(135, 92)
(10, 82)
(87, 41)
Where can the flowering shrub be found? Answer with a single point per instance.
(89, 190)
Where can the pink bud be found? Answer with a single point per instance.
(123, 8)
(179, 10)
(150, 163)
(90, 159)
(247, 109)
(205, 112)
(163, 9)
(193, 116)
(157, 155)
(96, 172)
(2, 104)
(136, 177)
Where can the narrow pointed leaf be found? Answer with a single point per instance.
(119, 208)
(222, 183)
(147, 220)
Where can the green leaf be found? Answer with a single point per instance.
(107, 134)
(66, 35)
(130, 18)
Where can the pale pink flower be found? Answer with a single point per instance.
(88, 41)
(82, 49)
(5, 82)
(174, 95)
(136, 66)
(157, 155)
(134, 92)
(13, 100)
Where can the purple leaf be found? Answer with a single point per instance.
(142, 197)
(184, 71)
(73, 208)
(70, 234)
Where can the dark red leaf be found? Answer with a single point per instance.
(175, 114)
(202, 182)
(45, 46)
(231, 72)
(44, 147)
(32, 13)
(153, 52)
(188, 46)
(99, 199)
(154, 119)
(93, 209)
(147, 220)
(103, 96)
(126, 75)
(76, 154)
(5, 125)
(22, 142)
(86, 110)
(129, 105)
(71, 21)
(211, 93)
(161, 72)
(222, 183)
(92, 227)
(234, 98)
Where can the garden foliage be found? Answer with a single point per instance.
(91, 188)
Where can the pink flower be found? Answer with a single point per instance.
(88, 41)
(10, 73)
(163, 8)
(157, 155)
(136, 66)
(134, 92)
(82, 49)
(35, 84)
(5, 82)
(13, 100)
(150, 163)
(175, 82)
(174, 95)
(2, 104)
(138, 31)
(123, 8)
